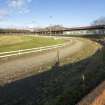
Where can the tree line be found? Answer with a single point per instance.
(4, 31)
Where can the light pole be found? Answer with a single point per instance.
(50, 25)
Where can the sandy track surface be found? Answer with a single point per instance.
(14, 69)
(96, 97)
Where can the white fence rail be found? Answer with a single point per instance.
(27, 51)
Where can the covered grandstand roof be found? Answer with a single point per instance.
(86, 28)
(60, 28)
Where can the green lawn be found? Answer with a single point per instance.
(12, 42)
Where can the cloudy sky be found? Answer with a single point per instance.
(44, 12)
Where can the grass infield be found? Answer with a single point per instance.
(12, 42)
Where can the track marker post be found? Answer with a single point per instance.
(19, 52)
(58, 58)
(83, 82)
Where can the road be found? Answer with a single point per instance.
(19, 68)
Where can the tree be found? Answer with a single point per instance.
(99, 21)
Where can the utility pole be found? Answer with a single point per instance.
(50, 25)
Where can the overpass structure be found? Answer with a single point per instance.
(88, 30)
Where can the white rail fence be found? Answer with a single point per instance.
(32, 50)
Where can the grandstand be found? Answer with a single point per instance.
(88, 30)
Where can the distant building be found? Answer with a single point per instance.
(89, 30)
(59, 30)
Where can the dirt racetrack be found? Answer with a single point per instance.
(14, 69)
(20, 88)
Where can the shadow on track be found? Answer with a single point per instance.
(64, 85)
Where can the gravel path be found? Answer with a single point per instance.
(14, 69)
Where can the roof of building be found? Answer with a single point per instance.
(86, 28)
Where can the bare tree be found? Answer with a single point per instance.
(99, 21)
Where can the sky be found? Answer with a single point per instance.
(40, 13)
